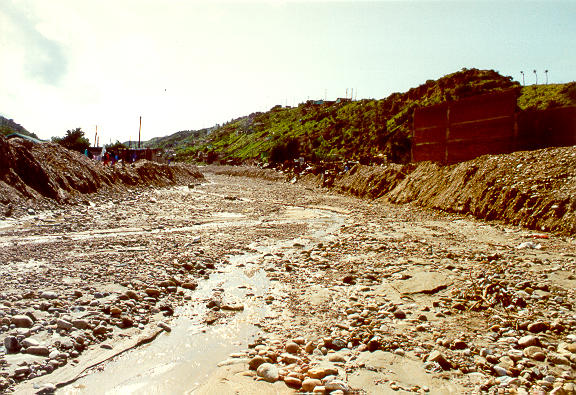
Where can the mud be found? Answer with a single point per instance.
(371, 292)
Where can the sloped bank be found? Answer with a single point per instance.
(39, 172)
(534, 189)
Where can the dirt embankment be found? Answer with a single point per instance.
(242, 171)
(534, 189)
(40, 172)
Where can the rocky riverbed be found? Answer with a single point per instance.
(360, 296)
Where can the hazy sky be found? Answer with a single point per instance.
(191, 64)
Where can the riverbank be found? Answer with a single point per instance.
(353, 293)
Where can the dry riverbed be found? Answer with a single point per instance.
(254, 286)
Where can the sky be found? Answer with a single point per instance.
(186, 64)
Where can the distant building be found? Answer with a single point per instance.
(343, 100)
(133, 154)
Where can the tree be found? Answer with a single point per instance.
(116, 146)
(74, 140)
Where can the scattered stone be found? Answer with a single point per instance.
(289, 358)
(49, 295)
(308, 385)
(210, 318)
(459, 344)
(153, 292)
(538, 327)
(440, 359)
(229, 307)
(321, 372)
(38, 350)
(63, 324)
(399, 314)
(29, 342)
(47, 388)
(81, 324)
(293, 382)
(500, 371)
(11, 344)
(336, 358)
(189, 285)
(100, 330)
(374, 344)
(558, 359)
(114, 310)
(22, 321)
(334, 344)
(256, 362)
(232, 361)
(534, 352)
(130, 294)
(292, 348)
(337, 385)
(268, 372)
(528, 340)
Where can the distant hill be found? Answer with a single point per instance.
(178, 140)
(8, 126)
(364, 130)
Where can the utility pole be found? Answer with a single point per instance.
(522, 78)
(139, 130)
(96, 136)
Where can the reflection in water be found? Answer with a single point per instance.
(182, 359)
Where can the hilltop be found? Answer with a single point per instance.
(365, 130)
(8, 126)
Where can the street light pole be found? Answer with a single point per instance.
(522, 78)
(546, 72)
(536, 74)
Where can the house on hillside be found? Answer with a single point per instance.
(343, 100)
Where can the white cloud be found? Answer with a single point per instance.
(191, 64)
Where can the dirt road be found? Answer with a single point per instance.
(258, 286)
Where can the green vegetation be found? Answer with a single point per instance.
(541, 97)
(74, 140)
(366, 130)
(115, 146)
(8, 126)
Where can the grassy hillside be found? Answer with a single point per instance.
(8, 126)
(364, 130)
(540, 97)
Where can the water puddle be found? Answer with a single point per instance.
(182, 359)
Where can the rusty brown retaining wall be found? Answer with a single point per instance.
(488, 124)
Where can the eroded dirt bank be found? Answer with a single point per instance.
(534, 189)
(359, 295)
(45, 175)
